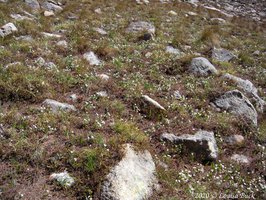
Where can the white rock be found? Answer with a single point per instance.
(172, 50)
(98, 11)
(218, 20)
(63, 178)
(62, 43)
(142, 1)
(56, 106)
(91, 58)
(48, 13)
(8, 29)
(192, 13)
(102, 94)
(104, 77)
(171, 12)
(100, 31)
(152, 102)
(45, 34)
(133, 178)
(240, 159)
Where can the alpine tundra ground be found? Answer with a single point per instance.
(100, 70)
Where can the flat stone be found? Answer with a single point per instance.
(141, 26)
(56, 106)
(241, 159)
(172, 50)
(48, 13)
(133, 178)
(203, 143)
(235, 140)
(222, 55)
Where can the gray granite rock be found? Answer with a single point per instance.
(235, 102)
(222, 55)
(202, 67)
(203, 143)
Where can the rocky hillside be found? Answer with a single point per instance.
(132, 100)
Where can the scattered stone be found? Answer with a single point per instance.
(235, 102)
(92, 58)
(152, 102)
(222, 55)
(102, 94)
(33, 4)
(202, 67)
(48, 13)
(62, 43)
(242, 159)
(103, 77)
(98, 11)
(73, 97)
(218, 20)
(56, 106)
(19, 17)
(249, 89)
(26, 38)
(45, 34)
(142, 1)
(50, 65)
(133, 178)
(172, 50)
(141, 26)
(203, 143)
(51, 6)
(171, 12)
(3, 134)
(40, 61)
(192, 13)
(63, 178)
(12, 64)
(177, 95)
(235, 140)
(100, 31)
(256, 53)
(8, 29)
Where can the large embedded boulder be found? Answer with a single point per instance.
(133, 178)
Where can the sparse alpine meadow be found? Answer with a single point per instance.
(131, 100)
